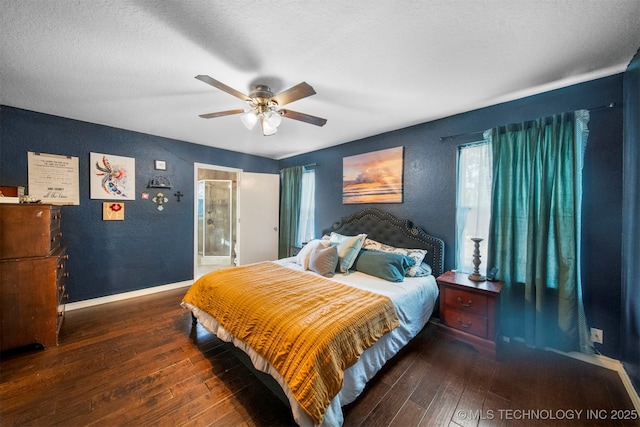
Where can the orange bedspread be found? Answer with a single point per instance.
(308, 328)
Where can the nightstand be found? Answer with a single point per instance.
(295, 250)
(469, 311)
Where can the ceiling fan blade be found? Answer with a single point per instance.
(307, 118)
(223, 87)
(299, 91)
(222, 113)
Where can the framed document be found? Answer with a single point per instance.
(54, 179)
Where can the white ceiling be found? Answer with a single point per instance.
(376, 65)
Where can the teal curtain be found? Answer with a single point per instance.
(535, 230)
(290, 199)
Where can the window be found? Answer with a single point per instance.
(306, 230)
(473, 204)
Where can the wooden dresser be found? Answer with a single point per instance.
(469, 311)
(33, 271)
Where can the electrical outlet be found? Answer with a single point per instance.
(596, 335)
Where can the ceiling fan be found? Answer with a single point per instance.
(265, 106)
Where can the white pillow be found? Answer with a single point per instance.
(348, 249)
(305, 253)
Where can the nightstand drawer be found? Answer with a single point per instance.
(467, 302)
(474, 325)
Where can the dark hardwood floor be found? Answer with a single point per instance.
(140, 362)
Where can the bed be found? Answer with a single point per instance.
(388, 266)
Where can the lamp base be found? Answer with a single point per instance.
(477, 277)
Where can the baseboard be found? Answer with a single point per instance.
(605, 362)
(126, 295)
(614, 365)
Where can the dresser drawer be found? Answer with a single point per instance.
(61, 292)
(475, 325)
(62, 273)
(29, 230)
(467, 302)
(55, 237)
(55, 217)
(61, 276)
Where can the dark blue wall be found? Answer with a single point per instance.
(631, 223)
(430, 177)
(150, 247)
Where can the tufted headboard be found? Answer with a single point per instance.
(386, 228)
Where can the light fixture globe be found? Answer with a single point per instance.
(267, 129)
(273, 118)
(249, 119)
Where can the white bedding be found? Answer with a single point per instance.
(414, 300)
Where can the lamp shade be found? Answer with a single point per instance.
(266, 128)
(249, 118)
(274, 119)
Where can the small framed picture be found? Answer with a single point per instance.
(161, 165)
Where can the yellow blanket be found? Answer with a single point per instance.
(308, 328)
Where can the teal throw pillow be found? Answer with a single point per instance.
(385, 265)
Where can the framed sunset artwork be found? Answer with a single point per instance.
(374, 177)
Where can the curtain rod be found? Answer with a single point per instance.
(480, 132)
(304, 166)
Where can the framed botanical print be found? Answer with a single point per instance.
(112, 177)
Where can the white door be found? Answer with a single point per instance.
(258, 217)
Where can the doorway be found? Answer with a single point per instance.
(216, 214)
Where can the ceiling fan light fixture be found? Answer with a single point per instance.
(249, 119)
(267, 129)
(264, 105)
(273, 118)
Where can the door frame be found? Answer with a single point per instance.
(196, 167)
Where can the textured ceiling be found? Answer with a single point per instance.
(376, 65)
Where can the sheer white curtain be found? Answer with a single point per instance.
(306, 230)
(473, 204)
